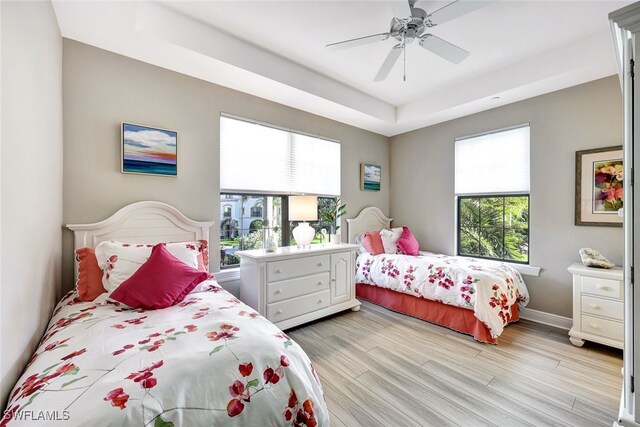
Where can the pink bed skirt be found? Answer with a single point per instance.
(456, 318)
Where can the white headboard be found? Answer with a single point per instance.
(141, 222)
(369, 219)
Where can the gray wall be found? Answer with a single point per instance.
(102, 89)
(31, 181)
(563, 122)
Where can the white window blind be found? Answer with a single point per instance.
(493, 163)
(262, 159)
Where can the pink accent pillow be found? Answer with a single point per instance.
(160, 282)
(372, 243)
(89, 284)
(407, 243)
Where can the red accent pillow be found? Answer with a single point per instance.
(407, 243)
(160, 282)
(89, 283)
(372, 243)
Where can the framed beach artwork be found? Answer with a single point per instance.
(599, 186)
(149, 151)
(370, 177)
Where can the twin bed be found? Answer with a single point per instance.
(212, 360)
(208, 360)
(475, 297)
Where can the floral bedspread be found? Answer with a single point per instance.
(489, 288)
(209, 360)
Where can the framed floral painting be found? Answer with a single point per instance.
(599, 186)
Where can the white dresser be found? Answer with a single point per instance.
(293, 286)
(598, 306)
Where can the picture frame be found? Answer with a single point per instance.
(599, 186)
(148, 150)
(370, 177)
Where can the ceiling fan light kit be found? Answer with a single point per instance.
(414, 27)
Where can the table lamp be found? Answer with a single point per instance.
(303, 208)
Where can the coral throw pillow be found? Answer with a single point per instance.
(160, 282)
(203, 255)
(372, 243)
(89, 284)
(407, 243)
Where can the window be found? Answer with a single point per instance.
(226, 211)
(494, 227)
(260, 167)
(242, 232)
(492, 190)
(261, 159)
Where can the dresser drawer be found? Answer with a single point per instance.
(602, 307)
(604, 328)
(293, 307)
(281, 270)
(291, 288)
(604, 287)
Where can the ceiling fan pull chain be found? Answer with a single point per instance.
(404, 57)
(404, 60)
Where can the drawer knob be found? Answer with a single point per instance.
(279, 312)
(278, 271)
(602, 287)
(594, 306)
(320, 264)
(320, 300)
(279, 291)
(594, 326)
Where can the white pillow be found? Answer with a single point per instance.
(389, 239)
(120, 260)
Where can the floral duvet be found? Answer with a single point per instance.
(209, 360)
(489, 288)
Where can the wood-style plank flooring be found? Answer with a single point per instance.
(381, 368)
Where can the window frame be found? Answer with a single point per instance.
(459, 198)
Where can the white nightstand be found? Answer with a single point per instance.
(293, 286)
(598, 305)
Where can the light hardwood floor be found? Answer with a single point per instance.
(380, 368)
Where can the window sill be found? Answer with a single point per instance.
(527, 270)
(227, 275)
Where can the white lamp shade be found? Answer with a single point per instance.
(303, 208)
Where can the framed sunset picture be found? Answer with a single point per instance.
(149, 151)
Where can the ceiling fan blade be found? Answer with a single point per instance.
(388, 63)
(443, 48)
(455, 9)
(401, 9)
(358, 41)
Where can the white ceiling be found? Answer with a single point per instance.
(276, 50)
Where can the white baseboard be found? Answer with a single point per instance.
(546, 318)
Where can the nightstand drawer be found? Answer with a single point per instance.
(604, 328)
(604, 287)
(291, 288)
(293, 307)
(281, 270)
(602, 307)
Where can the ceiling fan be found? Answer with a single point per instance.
(415, 27)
